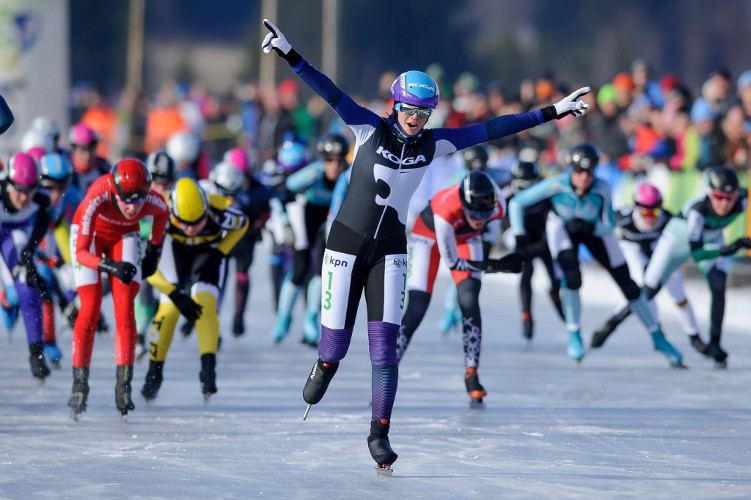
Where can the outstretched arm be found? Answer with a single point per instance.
(349, 111)
(451, 140)
(6, 116)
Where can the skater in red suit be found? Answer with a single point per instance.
(105, 239)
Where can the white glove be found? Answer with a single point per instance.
(66, 278)
(275, 40)
(572, 104)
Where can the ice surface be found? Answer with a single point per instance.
(621, 425)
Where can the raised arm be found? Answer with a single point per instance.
(451, 140)
(352, 113)
(6, 116)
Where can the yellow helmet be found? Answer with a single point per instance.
(188, 202)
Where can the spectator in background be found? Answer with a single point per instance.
(289, 102)
(164, 120)
(736, 148)
(102, 119)
(744, 93)
(606, 128)
(624, 90)
(724, 99)
(710, 137)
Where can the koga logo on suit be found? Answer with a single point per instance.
(395, 159)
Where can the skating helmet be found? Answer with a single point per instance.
(228, 179)
(525, 173)
(45, 125)
(184, 147)
(333, 144)
(238, 159)
(479, 195)
(131, 180)
(476, 158)
(161, 167)
(722, 179)
(292, 155)
(188, 202)
(584, 157)
(36, 153)
(23, 173)
(82, 136)
(56, 169)
(416, 89)
(647, 196)
(33, 139)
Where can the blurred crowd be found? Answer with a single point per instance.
(639, 120)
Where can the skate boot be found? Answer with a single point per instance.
(208, 375)
(71, 313)
(310, 330)
(238, 326)
(318, 381)
(53, 353)
(79, 393)
(716, 352)
(661, 344)
(102, 327)
(475, 390)
(187, 328)
(527, 325)
(575, 348)
(379, 446)
(153, 380)
(602, 333)
(123, 388)
(39, 368)
(281, 327)
(698, 344)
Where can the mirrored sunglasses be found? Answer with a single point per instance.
(411, 110)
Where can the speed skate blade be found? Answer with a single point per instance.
(384, 470)
(307, 410)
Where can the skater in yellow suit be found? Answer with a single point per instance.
(201, 232)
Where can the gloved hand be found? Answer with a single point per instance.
(511, 263)
(124, 271)
(740, 243)
(275, 41)
(26, 263)
(150, 260)
(187, 306)
(579, 226)
(572, 105)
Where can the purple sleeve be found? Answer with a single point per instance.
(496, 128)
(6, 117)
(349, 111)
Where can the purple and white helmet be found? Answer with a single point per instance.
(415, 88)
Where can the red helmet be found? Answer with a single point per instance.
(131, 180)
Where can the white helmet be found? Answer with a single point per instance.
(35, 139)
(45, 126)
(227, 179)
(183, 147)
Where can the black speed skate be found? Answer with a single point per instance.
(123, 388)
(238, 326)
(39, 368)
(716, 352)
(475, 390)
(79, 393)
(379, 446)
(698, 344)
(102, 327)
(318, 382)
(527, 326)
(208, 375)
(153, 380)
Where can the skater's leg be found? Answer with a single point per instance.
(417, 306)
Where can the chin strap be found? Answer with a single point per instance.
(399, 132)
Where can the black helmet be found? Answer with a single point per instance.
(722, 179)
(161, 166)
(525, 174)
(584, 157)
(333, 144)
(478, 193)
(476, 158)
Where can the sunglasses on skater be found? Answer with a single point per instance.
(722, 195)
(478, 215)
(411, 110)
(579, 170)
(649, 212)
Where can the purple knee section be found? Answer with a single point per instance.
(383, 382)
(31, 310)
(382, 338)
(334, 344)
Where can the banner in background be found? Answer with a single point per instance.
(34, 63)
